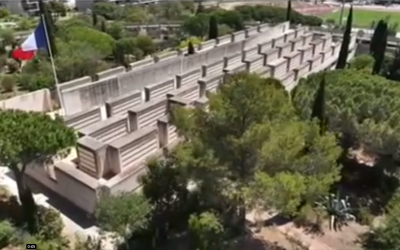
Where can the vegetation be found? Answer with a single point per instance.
(85, 44)
(344, 48)
(364, 18)
(327, 151)
(24, 144)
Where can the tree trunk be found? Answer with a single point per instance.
(242, 213)
(28, 205)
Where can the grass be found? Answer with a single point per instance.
(364, 18)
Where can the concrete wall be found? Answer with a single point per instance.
(113, 164)
(39, 101)
(86, 93)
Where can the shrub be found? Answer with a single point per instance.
(12, 65)
(50, 223)
(8, 83)
(362, 62)
(7, 232)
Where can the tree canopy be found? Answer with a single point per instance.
(251, 127)
(23, 141)
(361, 108)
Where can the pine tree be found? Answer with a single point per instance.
(318, 110)
(376, 36)
(49, 24)
(213, 28)
(94, 19)
(344, 49)
(380, 50)
(289, 10)
(190, 48)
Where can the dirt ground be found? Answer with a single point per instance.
(286, 235)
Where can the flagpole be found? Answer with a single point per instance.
(53, 67)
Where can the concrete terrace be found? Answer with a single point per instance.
(121, 116)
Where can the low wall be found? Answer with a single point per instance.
(86, 93)
(39, 101)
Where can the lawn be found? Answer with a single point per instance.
(364, 18)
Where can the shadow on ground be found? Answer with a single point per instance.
(77, 215)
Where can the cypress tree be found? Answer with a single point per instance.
(190, 48)
(200, 7)
(289, 10)
(50, 27)
(94, 19)
(344, 49)
(376, 36)
(318, 110)
(213, 28)
(379, 53)
(103, 27)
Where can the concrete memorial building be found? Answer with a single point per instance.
(121, 116)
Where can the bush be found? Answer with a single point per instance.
(7, 232)
(8, 83)
(50, 223)
(362, 62)
(12, 65)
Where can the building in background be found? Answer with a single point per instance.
(25, 6)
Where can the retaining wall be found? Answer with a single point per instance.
(39, 101)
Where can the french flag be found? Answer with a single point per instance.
(35, 41)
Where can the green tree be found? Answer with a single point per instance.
(58, 7)
(123, 214)
(7, 36)
(378, 32)
(380, 50)
(223, 134)
(126, 48)
(49, 24)
(318, 110)
(103, 27)
(231, 18)
(189, 5)
(94, 18)
(206, 230)
(101, 42)
(146, 44)
(166, 190)
(136, 14)
(200, 7)
(106, 9)
(171, 10)
(116, 30)
(213, 28)
(197, 25)
(370, 122)
(4, 13)
(191, 50)
(386, 236)
(289, 10)
(24, 143)
(344, 48)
